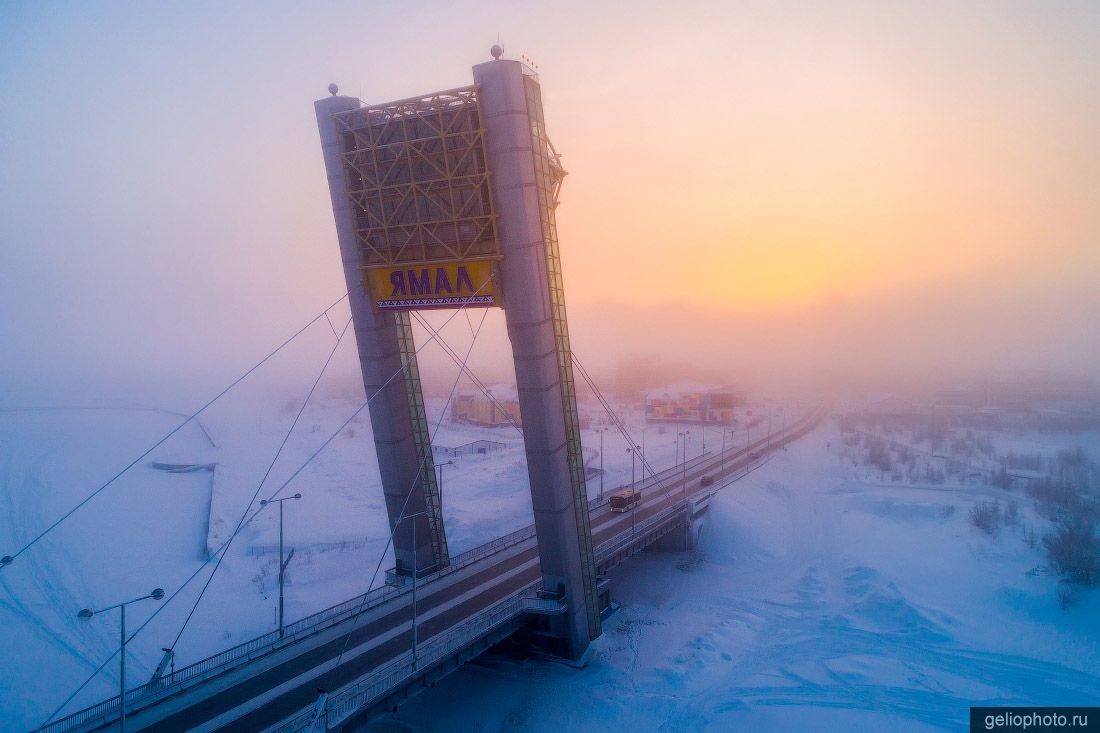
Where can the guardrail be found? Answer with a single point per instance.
(372, 688)
(271, 641)
(354, 697)
(615, 544)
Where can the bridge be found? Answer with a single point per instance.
(444, 200)
(361, 651)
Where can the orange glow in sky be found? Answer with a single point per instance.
(782, 168)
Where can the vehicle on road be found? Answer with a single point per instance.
(622, 501)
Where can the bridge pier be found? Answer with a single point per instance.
(685, 537)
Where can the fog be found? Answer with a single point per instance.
(771, 196)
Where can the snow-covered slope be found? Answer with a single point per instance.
(817, 598)
(814, 602)
(152, 529)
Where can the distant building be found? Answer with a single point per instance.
(477, 409)
(702, 406)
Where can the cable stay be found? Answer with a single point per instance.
(620, 426)
(219, 553)
(259, 487)
(416, 478)
(8, 559)
(469, 372)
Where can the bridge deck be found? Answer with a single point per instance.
(271, 680)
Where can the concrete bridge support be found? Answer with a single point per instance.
(387, 357)
(525, 179)
(685, 537)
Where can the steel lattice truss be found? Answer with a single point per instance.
(417, 175)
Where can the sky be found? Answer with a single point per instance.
(777, 192)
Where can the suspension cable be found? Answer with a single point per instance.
(7, 560)
(620, 426)
(405, 504)
(259, 487)
(449, 350)
(224, 546)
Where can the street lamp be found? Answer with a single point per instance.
(771, 410)
(783, 425)
(440, 467)
(282, 565)
(634, 504)
(643, 450)
(415, 573)
(723, 450)
(87, 613)
(601, 431)
(685, 435)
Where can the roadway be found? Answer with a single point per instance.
(259, 695)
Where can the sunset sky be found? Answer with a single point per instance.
(780, 190)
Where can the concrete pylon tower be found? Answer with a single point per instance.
(446, 200)
(525, 181)
(391, 376)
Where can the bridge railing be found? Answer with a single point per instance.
(354, 697)
(615, 544)
(492, 546)
(271, 641)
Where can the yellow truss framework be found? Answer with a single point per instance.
(416, 171)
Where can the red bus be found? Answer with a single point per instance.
(623, 501)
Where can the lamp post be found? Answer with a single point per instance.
(684, 453)
(282, 564)
(440, 467)
(643, 451)
(723, 450)
(748, 429)
(87, 613)
(770, 411)
(783, 424)
(634, 504)
(415, 573)
(601, 431)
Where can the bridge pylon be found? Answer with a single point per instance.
(387, 358)
(447, 200)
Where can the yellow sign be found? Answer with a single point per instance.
(446, 285)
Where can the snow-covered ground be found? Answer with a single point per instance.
(815, 601)
(817, 598)
(152, 529)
